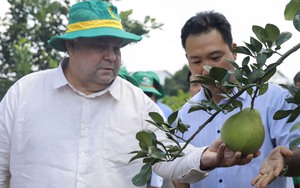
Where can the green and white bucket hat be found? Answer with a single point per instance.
(93, 18)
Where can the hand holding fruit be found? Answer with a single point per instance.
(219, 155)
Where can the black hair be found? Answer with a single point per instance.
(297, 78)
(204, 22)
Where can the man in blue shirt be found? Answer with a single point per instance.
(207, 41)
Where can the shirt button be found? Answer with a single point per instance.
(80, 178)
(218, 131)
(220, 180)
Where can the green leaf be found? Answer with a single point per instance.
(207, 93)
(237, 104)
(196, 108)
(261, 59)
(296, 21)
(238, 75)
(272, 32)
(166, 126)
(139, 154)
(256, 44)
(207, 80)
(250, 46)
(215, 106)
(156, 152)
(282, 38)
(295, 127)
(269, 73)
(263, 88)
(158, 125)
(156, 117)
(291, 9)
(294, 143)
(245, 61)
(242, 50)
(173, 117)
(143, 176)
(218, 73)
(295, 113)
(280, 114)
(255, 74)
(260, 33)
(182, 127)
(174, 148)
(249, 91)
(146, 139)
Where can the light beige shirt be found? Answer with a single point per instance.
(52, 136)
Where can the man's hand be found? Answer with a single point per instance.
(219, 155)
(271, 166)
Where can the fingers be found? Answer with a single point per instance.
(262, 180)
(246, 160)
(257, 154)
(221, 151)
(236, 159)
(286, 152)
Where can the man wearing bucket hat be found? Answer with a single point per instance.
(149, 82)
(74, 126)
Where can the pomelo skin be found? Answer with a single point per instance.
(244, 131)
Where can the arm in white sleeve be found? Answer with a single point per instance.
(156, 180)
(6, 121)
(183, 169)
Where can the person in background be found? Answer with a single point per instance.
(193, 87)
(149, 82)
(207, 41)
(123, 73)
(75, 125)
(156, 83)
(156, 181)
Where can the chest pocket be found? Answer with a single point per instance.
(118, 143)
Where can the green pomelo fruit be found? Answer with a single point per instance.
(244, 131)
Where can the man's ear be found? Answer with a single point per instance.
(70, 44)
(234, 53)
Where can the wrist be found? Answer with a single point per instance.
(284, 170)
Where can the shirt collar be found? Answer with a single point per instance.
(115, 88)
(59, 77)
